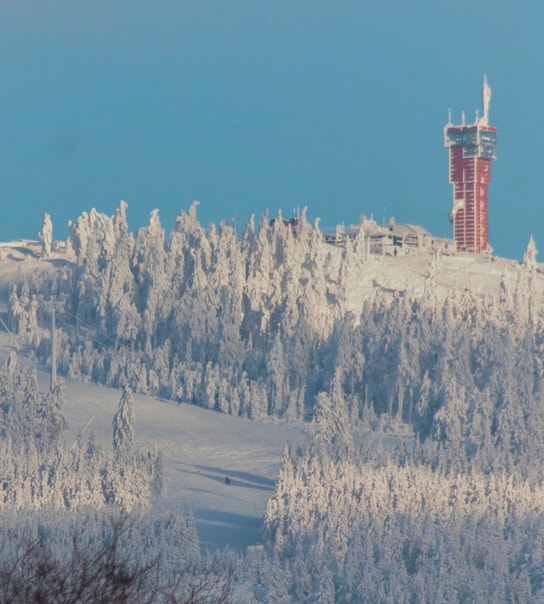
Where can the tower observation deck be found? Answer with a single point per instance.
(471, 149)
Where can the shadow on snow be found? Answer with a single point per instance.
(237, 478)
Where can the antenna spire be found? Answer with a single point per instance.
(486, 98)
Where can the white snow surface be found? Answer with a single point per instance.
(479, 273)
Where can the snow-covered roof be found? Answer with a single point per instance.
(404, 229)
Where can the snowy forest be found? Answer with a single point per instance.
(262, 325)
(77, 522)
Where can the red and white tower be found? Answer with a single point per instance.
(471, 149)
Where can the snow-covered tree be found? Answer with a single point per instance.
(46, 235)
(123, 424)
(52, 415)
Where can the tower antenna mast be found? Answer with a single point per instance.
(486, 99)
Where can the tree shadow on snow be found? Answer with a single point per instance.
(237, 478)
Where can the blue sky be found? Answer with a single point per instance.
(248, 105)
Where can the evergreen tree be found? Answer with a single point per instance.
(329, 431)
(123, 424)
(52, 415)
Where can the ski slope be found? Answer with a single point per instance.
(199, 447)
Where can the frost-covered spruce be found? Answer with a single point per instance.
(123, 424)
(46, 235)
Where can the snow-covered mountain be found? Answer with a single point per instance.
(419, 379)
(247, 325)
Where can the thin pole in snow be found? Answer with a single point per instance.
(53, 350)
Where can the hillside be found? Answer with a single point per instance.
(418, 380)
(201, 447)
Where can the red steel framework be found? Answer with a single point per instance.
(471, 149)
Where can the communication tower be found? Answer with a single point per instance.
(471, 149)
